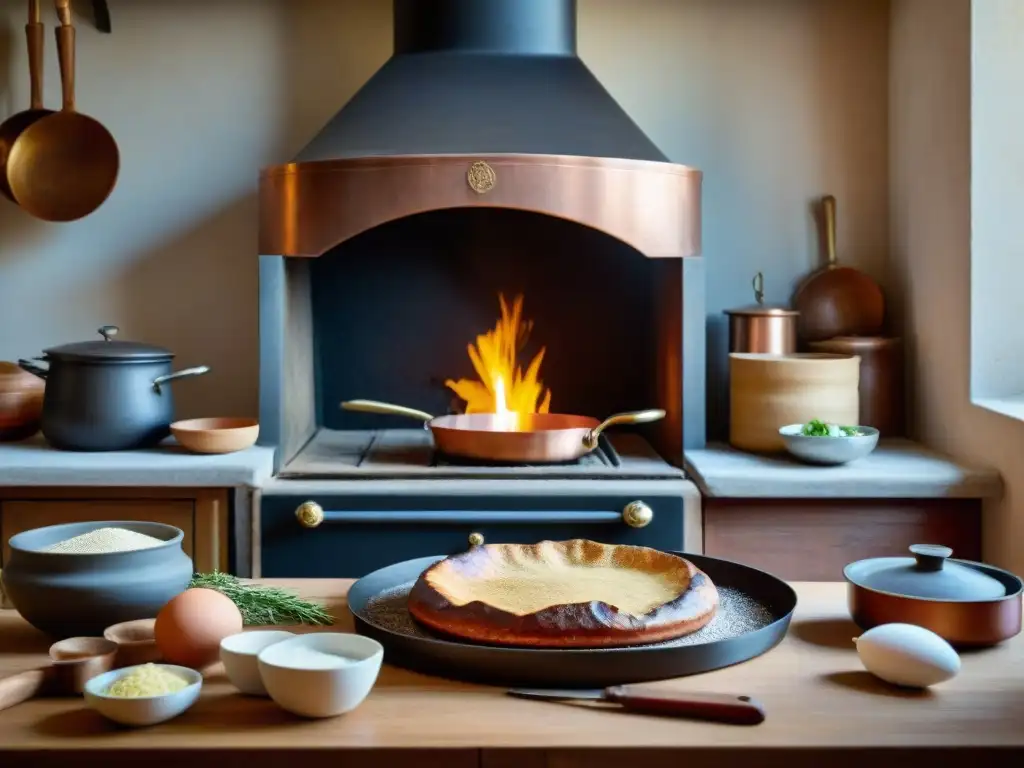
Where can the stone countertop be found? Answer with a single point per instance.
(33, 463)
(896, 469)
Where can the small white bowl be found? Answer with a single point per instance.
(239, 654)
(143, 710)
(322, 674)
(828, 450)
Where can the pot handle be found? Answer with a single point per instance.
(633, 417)
(199, 370)
(388, 409)
(34, 369)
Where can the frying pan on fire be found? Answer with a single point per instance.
(511, 437)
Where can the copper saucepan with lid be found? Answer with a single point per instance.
(512, 437)
(967, 603)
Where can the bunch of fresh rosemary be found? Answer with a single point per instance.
(261, 605)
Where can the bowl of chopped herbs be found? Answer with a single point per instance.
(818, 442)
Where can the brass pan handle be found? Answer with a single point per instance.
(387, 409)
(633, 417)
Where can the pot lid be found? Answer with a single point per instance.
(929, 574)
(108, 349)
(760, 309)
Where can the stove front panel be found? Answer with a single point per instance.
(357, 532)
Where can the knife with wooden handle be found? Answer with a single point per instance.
(714, 707)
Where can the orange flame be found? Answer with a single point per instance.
(503, 387)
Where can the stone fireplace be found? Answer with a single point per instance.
(482, 164)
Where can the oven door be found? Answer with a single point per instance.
(347, 536)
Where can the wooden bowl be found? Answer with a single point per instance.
(216, 435)
(21, 402)
(136, 641)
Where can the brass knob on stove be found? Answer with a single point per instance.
(636, 514)
(476, 539)
(309, 514)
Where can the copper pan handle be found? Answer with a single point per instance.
(828, 206)
(66, 53)
(34, 37)
(387, 409)
(633, 417)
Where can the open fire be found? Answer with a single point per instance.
(503, 387)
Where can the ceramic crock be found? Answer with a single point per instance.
(66, 595)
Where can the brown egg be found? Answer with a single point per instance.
(190, 627)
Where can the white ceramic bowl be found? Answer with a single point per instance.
(321, 674)
(144, 710)
(239, 654)
(828, 450)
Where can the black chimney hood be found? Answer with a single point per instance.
(482, 76)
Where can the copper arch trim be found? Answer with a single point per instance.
(306, 209)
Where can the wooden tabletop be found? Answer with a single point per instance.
(814, 690)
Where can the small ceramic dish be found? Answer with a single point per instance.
(218, 435)
(142, 710)
(240, 653)
(322, 674)
(828, 450)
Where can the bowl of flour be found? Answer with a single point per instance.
(79, 578)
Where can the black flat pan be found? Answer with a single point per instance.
(753, 618)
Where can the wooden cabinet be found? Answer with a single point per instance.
(811, 540)
(201, 513)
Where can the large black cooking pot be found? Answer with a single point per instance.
(107, 395)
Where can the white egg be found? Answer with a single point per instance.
(907, 655)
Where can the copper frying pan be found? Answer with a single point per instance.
(838, 300)
(64, 166)
(515, 438)
(16, 124)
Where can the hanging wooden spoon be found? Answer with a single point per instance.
(14, 126)
(64, 166)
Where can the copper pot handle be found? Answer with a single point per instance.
(632, 417)
(387, 409)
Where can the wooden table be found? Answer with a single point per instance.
(823, 711)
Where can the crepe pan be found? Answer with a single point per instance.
(516, 438)
(572, 668)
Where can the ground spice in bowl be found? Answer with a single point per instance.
(103, 541)
(147, 680)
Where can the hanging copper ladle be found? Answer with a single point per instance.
(15, 125)
(63, 166)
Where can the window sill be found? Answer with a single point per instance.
(1012, 406)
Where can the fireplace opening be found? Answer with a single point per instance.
(395, 308)
(397, 313)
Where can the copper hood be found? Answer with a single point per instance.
(484, 103)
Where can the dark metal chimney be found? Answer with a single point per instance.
(482, 76)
